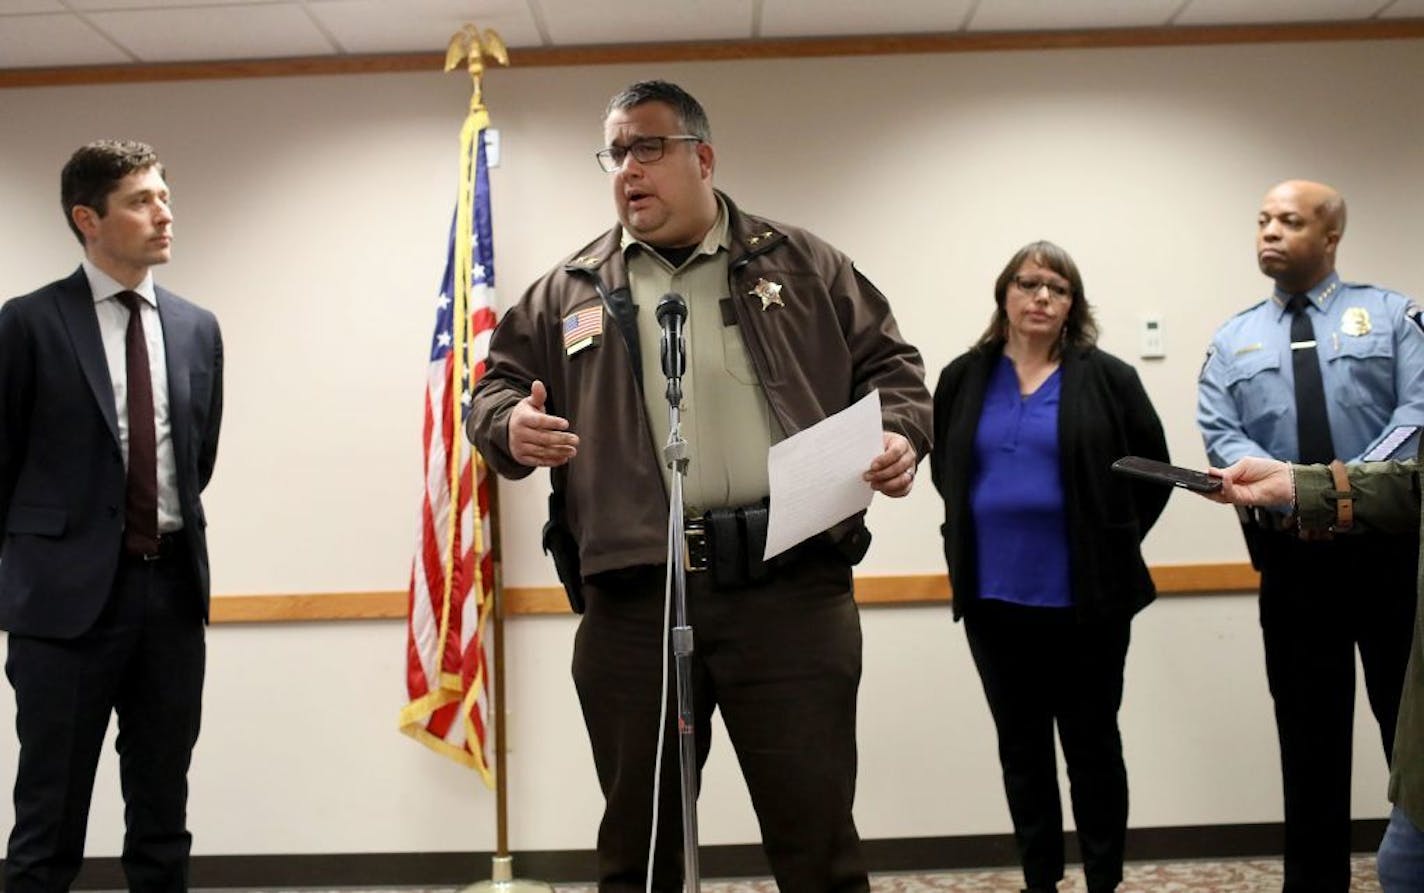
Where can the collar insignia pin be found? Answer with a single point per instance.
(769, 292)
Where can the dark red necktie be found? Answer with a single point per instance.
(141, 495)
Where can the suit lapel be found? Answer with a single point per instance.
(177, 337)
(76, 308)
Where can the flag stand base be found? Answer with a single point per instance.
(502, 880)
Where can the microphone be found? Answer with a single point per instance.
(671, 314)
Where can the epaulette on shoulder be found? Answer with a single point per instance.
(757, 233)
(762, 235)
(585, 262)
(1388, 294)
(1249, 310)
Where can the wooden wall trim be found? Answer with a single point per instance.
(871, 591)
(728, 50)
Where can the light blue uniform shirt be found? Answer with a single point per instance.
(1370, 343)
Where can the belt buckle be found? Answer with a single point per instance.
(164, 539)
(694, 546)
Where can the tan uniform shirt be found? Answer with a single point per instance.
(725, 417)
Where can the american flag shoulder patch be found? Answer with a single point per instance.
(582, 328)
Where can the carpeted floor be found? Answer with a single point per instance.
(1244, 876)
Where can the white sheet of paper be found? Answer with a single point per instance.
(817, 475)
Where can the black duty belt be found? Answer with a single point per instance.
(729, 544)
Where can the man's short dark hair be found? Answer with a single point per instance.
(94, 171)
(689, 111)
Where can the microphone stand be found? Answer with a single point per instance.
(675, 453)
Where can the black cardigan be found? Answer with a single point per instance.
(1103, 414)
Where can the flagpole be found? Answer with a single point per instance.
(502, 877)
(470, 45)
(501, 751)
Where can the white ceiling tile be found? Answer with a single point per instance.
(641, 21)
(1049, 15)
(24, 7)
(218, 32)
(1404, 9)
(1235, 12)
(380, 26)
(41, 33)
(112, 5)
(42, 41)
(803, 18)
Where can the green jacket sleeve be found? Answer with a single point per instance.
(1386, 496)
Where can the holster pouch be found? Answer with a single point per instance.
(736, 541)
(853, 546)
(559, 543)
(1253, 534)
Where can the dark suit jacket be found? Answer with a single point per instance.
(61, 469)
(1103, 415)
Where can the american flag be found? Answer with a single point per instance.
(586, 323)
(452, 575)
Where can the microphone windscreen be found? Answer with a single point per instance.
(671, 304)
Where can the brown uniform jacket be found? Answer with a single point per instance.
(830, 341)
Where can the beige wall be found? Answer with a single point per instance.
(312, 215)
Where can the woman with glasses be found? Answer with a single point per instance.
(1043, 543)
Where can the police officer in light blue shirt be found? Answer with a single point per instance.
(1260, 394)
(1371, 350)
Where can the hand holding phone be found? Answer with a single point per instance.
(1170, 475)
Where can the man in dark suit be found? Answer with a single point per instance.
(110, 404)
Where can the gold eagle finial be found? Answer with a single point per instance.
(471, 46)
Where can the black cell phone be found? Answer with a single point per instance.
(1162, 473)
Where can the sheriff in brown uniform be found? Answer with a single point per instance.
(782, 331)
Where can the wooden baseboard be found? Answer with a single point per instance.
(870, 591)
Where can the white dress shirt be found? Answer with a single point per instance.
(113, 329)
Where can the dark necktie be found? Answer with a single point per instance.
(1312, 420)
(141, 494)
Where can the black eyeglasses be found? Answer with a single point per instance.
(1031, 285)
(644, 149)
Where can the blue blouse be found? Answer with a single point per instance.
(1017, 494)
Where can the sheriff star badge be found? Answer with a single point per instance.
(769, 292)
